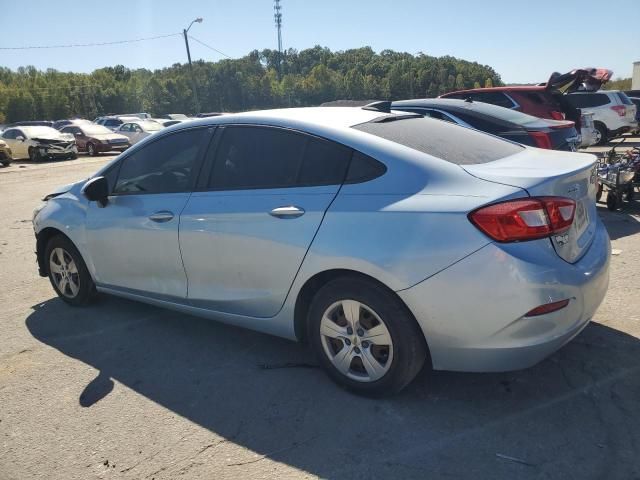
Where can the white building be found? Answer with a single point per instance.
(635, 80)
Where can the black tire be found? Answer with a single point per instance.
(604, 133)
(5, 163)
(599, 192)
(73, 156)
(630, 193)
(86, 288)
(409, 345)
(91, 150)
(612, 201)
(34, 155)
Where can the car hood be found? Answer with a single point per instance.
(63, 137)
(587, 79)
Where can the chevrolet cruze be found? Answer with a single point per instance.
(385, 240)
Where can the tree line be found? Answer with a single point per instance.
(261, 79)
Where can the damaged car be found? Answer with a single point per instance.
(40, 143)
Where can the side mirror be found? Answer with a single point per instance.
(97, 190)
(20, 138)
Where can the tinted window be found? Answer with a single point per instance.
(112, 122)
(10, 134)
(438, 115)
(495, 98)
(462, 146)
(163, 166)
(324, 163)
(254, 157)
(364, 168)
(587, 100)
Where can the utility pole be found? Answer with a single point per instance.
(193, 80)
(277, 16)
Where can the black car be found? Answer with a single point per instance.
(502, 122)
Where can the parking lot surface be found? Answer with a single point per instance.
(125, 390)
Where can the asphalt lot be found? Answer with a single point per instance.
(125, 390)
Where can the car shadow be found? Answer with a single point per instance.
(575, 415)
(624, 221)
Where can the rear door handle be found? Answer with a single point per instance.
(161, 216)
(290, 211)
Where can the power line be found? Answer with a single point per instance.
(208, 46)
(99, 44)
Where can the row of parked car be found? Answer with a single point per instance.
(63, 139)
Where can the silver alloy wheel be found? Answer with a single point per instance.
(91, 149)
(356, 341)
(598, 136)
(64, 272)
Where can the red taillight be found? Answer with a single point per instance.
(620, 110)
(525, 219)
(556, 115)
(547, 308)
(542, 140)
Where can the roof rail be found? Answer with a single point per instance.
(383, 106)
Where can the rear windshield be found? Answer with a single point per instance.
(501, 113)
(624, 99)
(455, 144)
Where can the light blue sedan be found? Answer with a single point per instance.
(383, 239)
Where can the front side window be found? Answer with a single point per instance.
(10, 134)
(164, 166)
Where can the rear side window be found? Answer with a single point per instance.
(587, 100)
(459, 145)
(263, 157)
(364, 168)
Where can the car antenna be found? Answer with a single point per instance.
(383, 106)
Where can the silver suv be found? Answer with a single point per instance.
(613, 112)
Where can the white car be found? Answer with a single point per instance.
(613, 112)
(138, 130)
(39, 143)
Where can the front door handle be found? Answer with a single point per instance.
(161, 216)
(290, 211)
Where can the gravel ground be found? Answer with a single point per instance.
(125, 390)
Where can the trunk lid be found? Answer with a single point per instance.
(552, 173)
(588, 78)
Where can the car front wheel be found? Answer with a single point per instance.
(364, 337)
(68, 273)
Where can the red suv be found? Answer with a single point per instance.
(546, 100)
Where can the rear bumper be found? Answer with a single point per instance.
(472, 313)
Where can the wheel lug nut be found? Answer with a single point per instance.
(350, 330)
(365, 344)
(360, 332)
(357, 350)
(347, 341)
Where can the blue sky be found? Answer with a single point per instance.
(524, 42)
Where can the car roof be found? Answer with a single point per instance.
(529, 88)
(324, 116)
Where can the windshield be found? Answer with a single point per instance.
(95, 130)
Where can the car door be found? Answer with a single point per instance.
(133, 240)
(137, 133)
(125, 129)
(18, 147)
(245, 234)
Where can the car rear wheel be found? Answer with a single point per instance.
(602, 135)
(91, 149)
(68, 273)
(364, 337)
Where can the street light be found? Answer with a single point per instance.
(193, 80)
